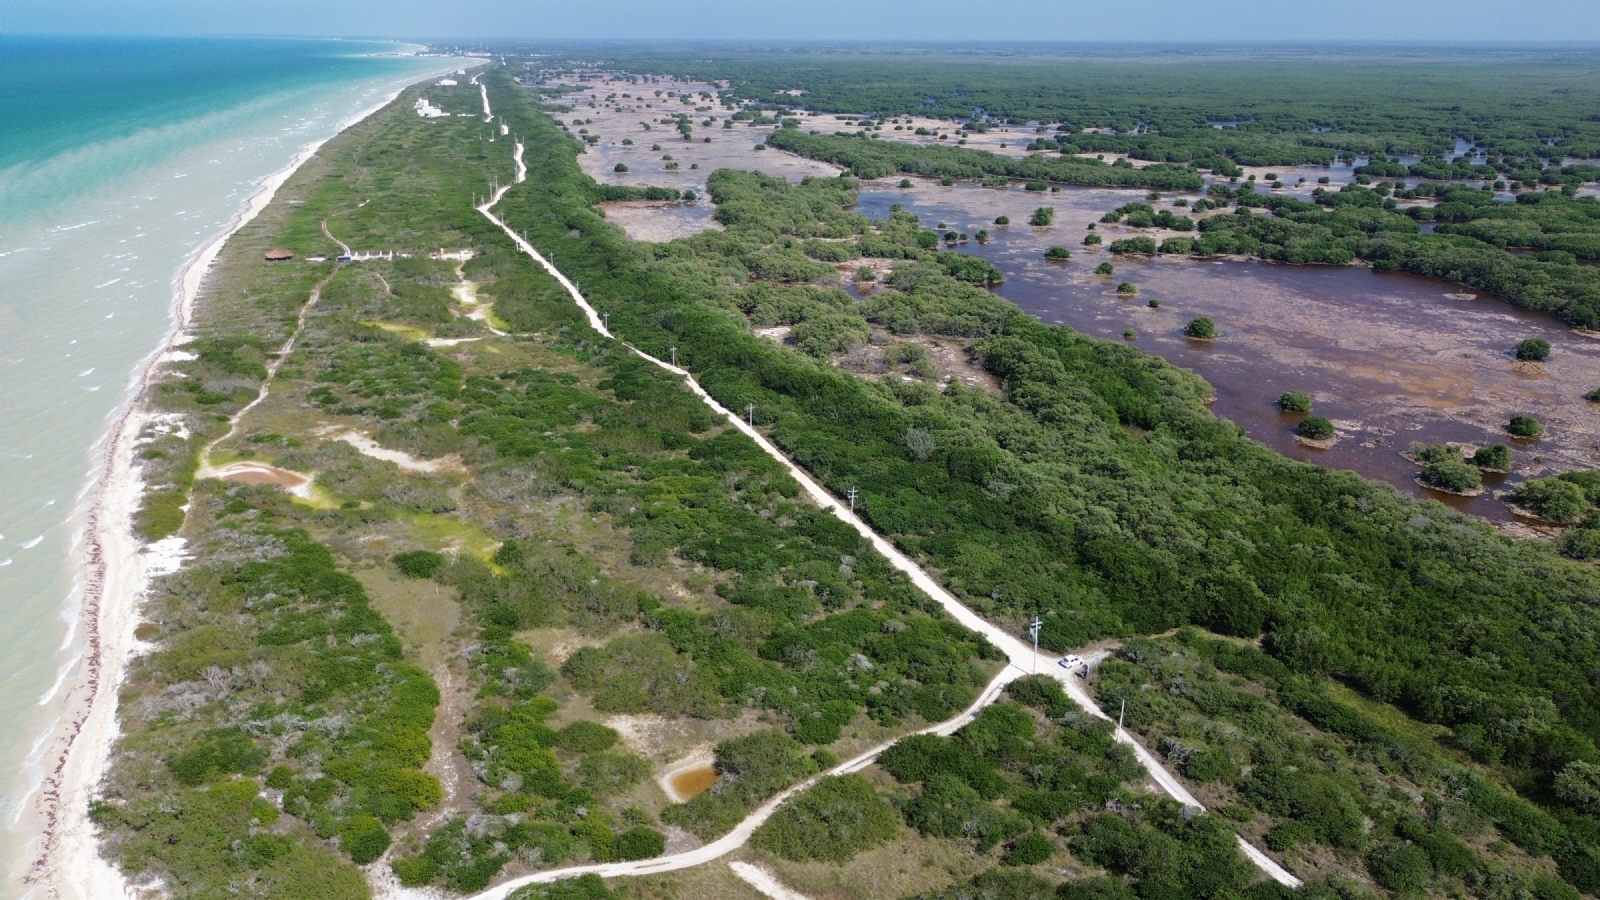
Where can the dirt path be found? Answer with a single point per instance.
(1022, 657)
(342, 245)
(442, 764)
(206, 470)
(764, 881)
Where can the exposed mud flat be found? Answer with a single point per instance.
(659, 221)
(1391, 358)
(626, 118)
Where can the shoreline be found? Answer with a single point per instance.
(74, 750)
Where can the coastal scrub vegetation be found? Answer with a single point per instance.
(1023, 500)
(279, 732)
(807, 624)
(1035, 774)
(878, 159)
(1310, 774)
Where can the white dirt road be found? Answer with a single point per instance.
(1020, 654)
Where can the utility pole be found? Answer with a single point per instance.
(750, 415)
(606, 318)
(1119, 714)
(1033, 632)
(674, 357)
(852, 494)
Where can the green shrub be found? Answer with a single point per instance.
(1533, 349)
(1104, 887)
(1127, 289)
(1006, 220)
(419, 563)
(1524, 427)
(1093, 240)
(1105, 268)
(638, 842)
(1586, 479)
(1295, 402)
(830, 821)
(1452, 475)
(1402, 867)
(222, 752)
(1201, 328)
(1582, 542)
(1551, 498)
(585, 737)
(620, 167)
(642, 673)
(1058, 252)
(1495, 456)
(1314, 428)
(608, 774)
(584, 887)
(363, 838)
(1042, 216)
(1030, 849)
(1139, 244)
(906, 182)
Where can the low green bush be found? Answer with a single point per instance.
(1524, 427)
(830, 821)
(1314, 428)
(585, 737)
(419, 563)
(1029, 850)
(1533, 349)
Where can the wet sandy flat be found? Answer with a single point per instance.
(626, 118)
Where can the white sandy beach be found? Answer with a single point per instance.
(62, 857)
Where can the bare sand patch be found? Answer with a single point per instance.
(659, 221)
(638, 120)
(407, 463)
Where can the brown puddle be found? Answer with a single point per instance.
(260, 473)
(1390, 358)
(691, 782)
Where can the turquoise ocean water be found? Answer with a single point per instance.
(119, 159)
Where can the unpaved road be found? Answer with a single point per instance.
(1021, 655)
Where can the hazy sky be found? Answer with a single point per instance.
(1033, 20)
